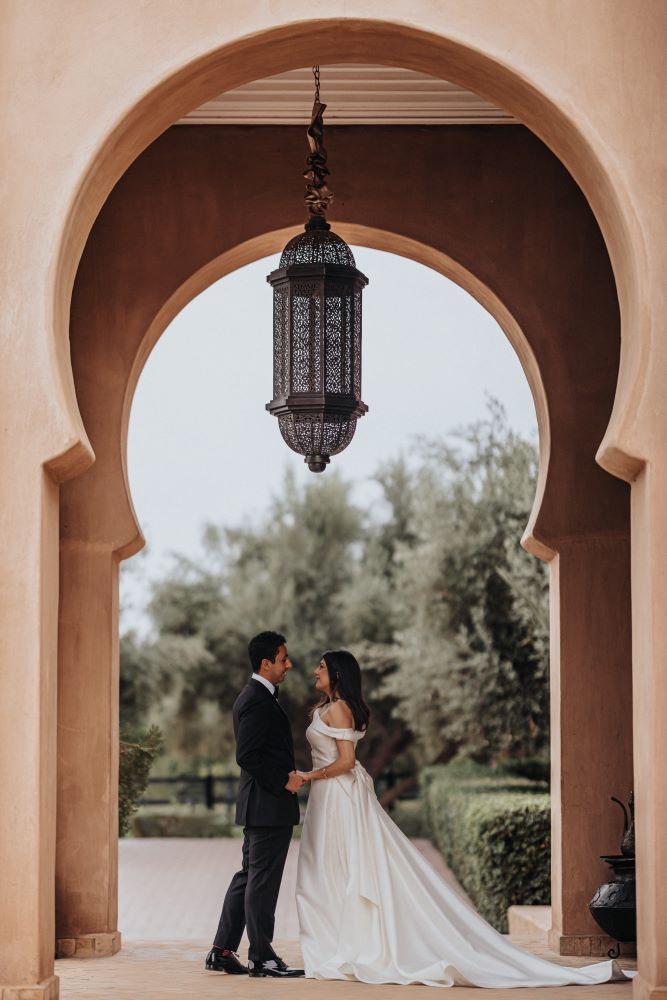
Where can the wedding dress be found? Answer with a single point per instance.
(371, 908)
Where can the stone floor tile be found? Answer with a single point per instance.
(170, 897)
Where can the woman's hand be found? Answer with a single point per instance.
(294, 782)
(305, 775)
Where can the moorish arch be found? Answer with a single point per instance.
(96, 107)
(165, 92)
(506, 222)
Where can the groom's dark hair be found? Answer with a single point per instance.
(264, 647)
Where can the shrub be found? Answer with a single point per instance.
(494, 832)
(534, 768)
(136, 759)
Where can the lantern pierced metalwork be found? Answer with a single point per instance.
(317, 324)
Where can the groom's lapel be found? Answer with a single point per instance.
(267, 694)
(277, 701)
(278, 705)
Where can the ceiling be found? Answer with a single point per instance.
(354, 95)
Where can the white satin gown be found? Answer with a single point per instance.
(372, 909)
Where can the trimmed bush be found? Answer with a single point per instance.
(136, 759)
(533, 768)
(494, 833)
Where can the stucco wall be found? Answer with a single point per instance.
(88, 87)
(494, 209)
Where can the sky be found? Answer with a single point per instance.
(202, 448)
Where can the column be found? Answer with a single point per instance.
(649, 581)
(28, 626)
(87, 823)
(591, 735)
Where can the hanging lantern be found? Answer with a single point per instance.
(317, 325)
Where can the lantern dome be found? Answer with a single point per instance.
(317, 245)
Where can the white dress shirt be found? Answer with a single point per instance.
(262, 680)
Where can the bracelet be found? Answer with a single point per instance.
(323, 773)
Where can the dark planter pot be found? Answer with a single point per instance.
(614, 904)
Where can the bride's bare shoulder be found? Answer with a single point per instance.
(339, 715)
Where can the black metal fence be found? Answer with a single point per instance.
(211, 790)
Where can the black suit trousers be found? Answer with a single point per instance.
(253, 892)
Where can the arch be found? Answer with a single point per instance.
(358, 235)
(137, 73)
(554, 297)
(366, 216)
(206, 69)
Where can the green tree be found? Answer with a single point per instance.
(369, 617)
(430, 589)
(288, 573)
(471, 607)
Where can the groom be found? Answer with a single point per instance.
(268, 809)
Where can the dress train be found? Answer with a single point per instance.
(372, 909)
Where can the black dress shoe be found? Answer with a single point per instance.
(216, 961)
(273, 967)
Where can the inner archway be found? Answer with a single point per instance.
(426, 342)
(506, 222)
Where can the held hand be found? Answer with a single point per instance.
(294, 782)
(305, 775)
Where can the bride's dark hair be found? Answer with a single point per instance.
(345, 683)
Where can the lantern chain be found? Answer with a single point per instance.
(318, 197)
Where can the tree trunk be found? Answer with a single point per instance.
(404, 785)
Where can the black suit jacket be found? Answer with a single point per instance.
(265, 754)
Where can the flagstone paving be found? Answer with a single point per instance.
(170, 897)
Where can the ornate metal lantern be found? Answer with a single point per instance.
(317, 325)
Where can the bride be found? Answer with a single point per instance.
(370, 906)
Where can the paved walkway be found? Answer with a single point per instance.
(172, 890)
(170, 897)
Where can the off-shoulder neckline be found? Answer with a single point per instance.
(336, 729)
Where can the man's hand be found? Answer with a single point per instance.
(294, 783)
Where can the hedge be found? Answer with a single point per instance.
(494, 832)
(137, 753)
